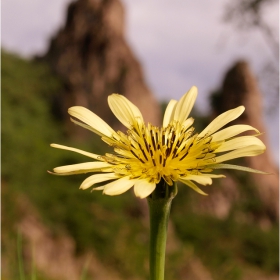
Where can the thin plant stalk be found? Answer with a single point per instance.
(159, 207)
(33, 271)
(20, 258)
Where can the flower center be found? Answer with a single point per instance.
(152, 153)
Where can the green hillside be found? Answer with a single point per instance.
(115, 228)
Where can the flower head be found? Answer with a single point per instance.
(147, 154)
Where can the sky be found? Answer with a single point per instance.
(179, 43)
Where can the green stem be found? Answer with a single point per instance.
(20, 257)
(159, 205)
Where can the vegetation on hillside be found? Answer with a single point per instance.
(114, 227)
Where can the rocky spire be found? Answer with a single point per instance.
(92, 57)
(240, 87)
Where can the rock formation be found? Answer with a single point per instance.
(92, 58)
(240, 87)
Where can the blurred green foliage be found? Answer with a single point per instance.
(229, 246)
(111, 226)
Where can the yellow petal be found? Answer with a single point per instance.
(125, 111)
(77, 151)
(85, 126)
(243, 152)
(188, 122)
(82, 168)
(231, 132)
(97, 178)
(239, 142)
(222, 120)
(98, 189)
(119, 186)
(213, 175)
(169, 112)
(193, 186)
(203, 180)
(185, 105)
(143, 188)
(96, 124)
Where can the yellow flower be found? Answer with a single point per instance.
(146, 153)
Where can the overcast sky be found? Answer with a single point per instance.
(179, 43)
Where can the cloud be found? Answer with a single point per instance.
(184, 42)
(27, 25)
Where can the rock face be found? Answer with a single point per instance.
(91, 56)
(240, 88)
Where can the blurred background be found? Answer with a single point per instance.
(60, 53)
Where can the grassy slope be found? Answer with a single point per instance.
(102, 222)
